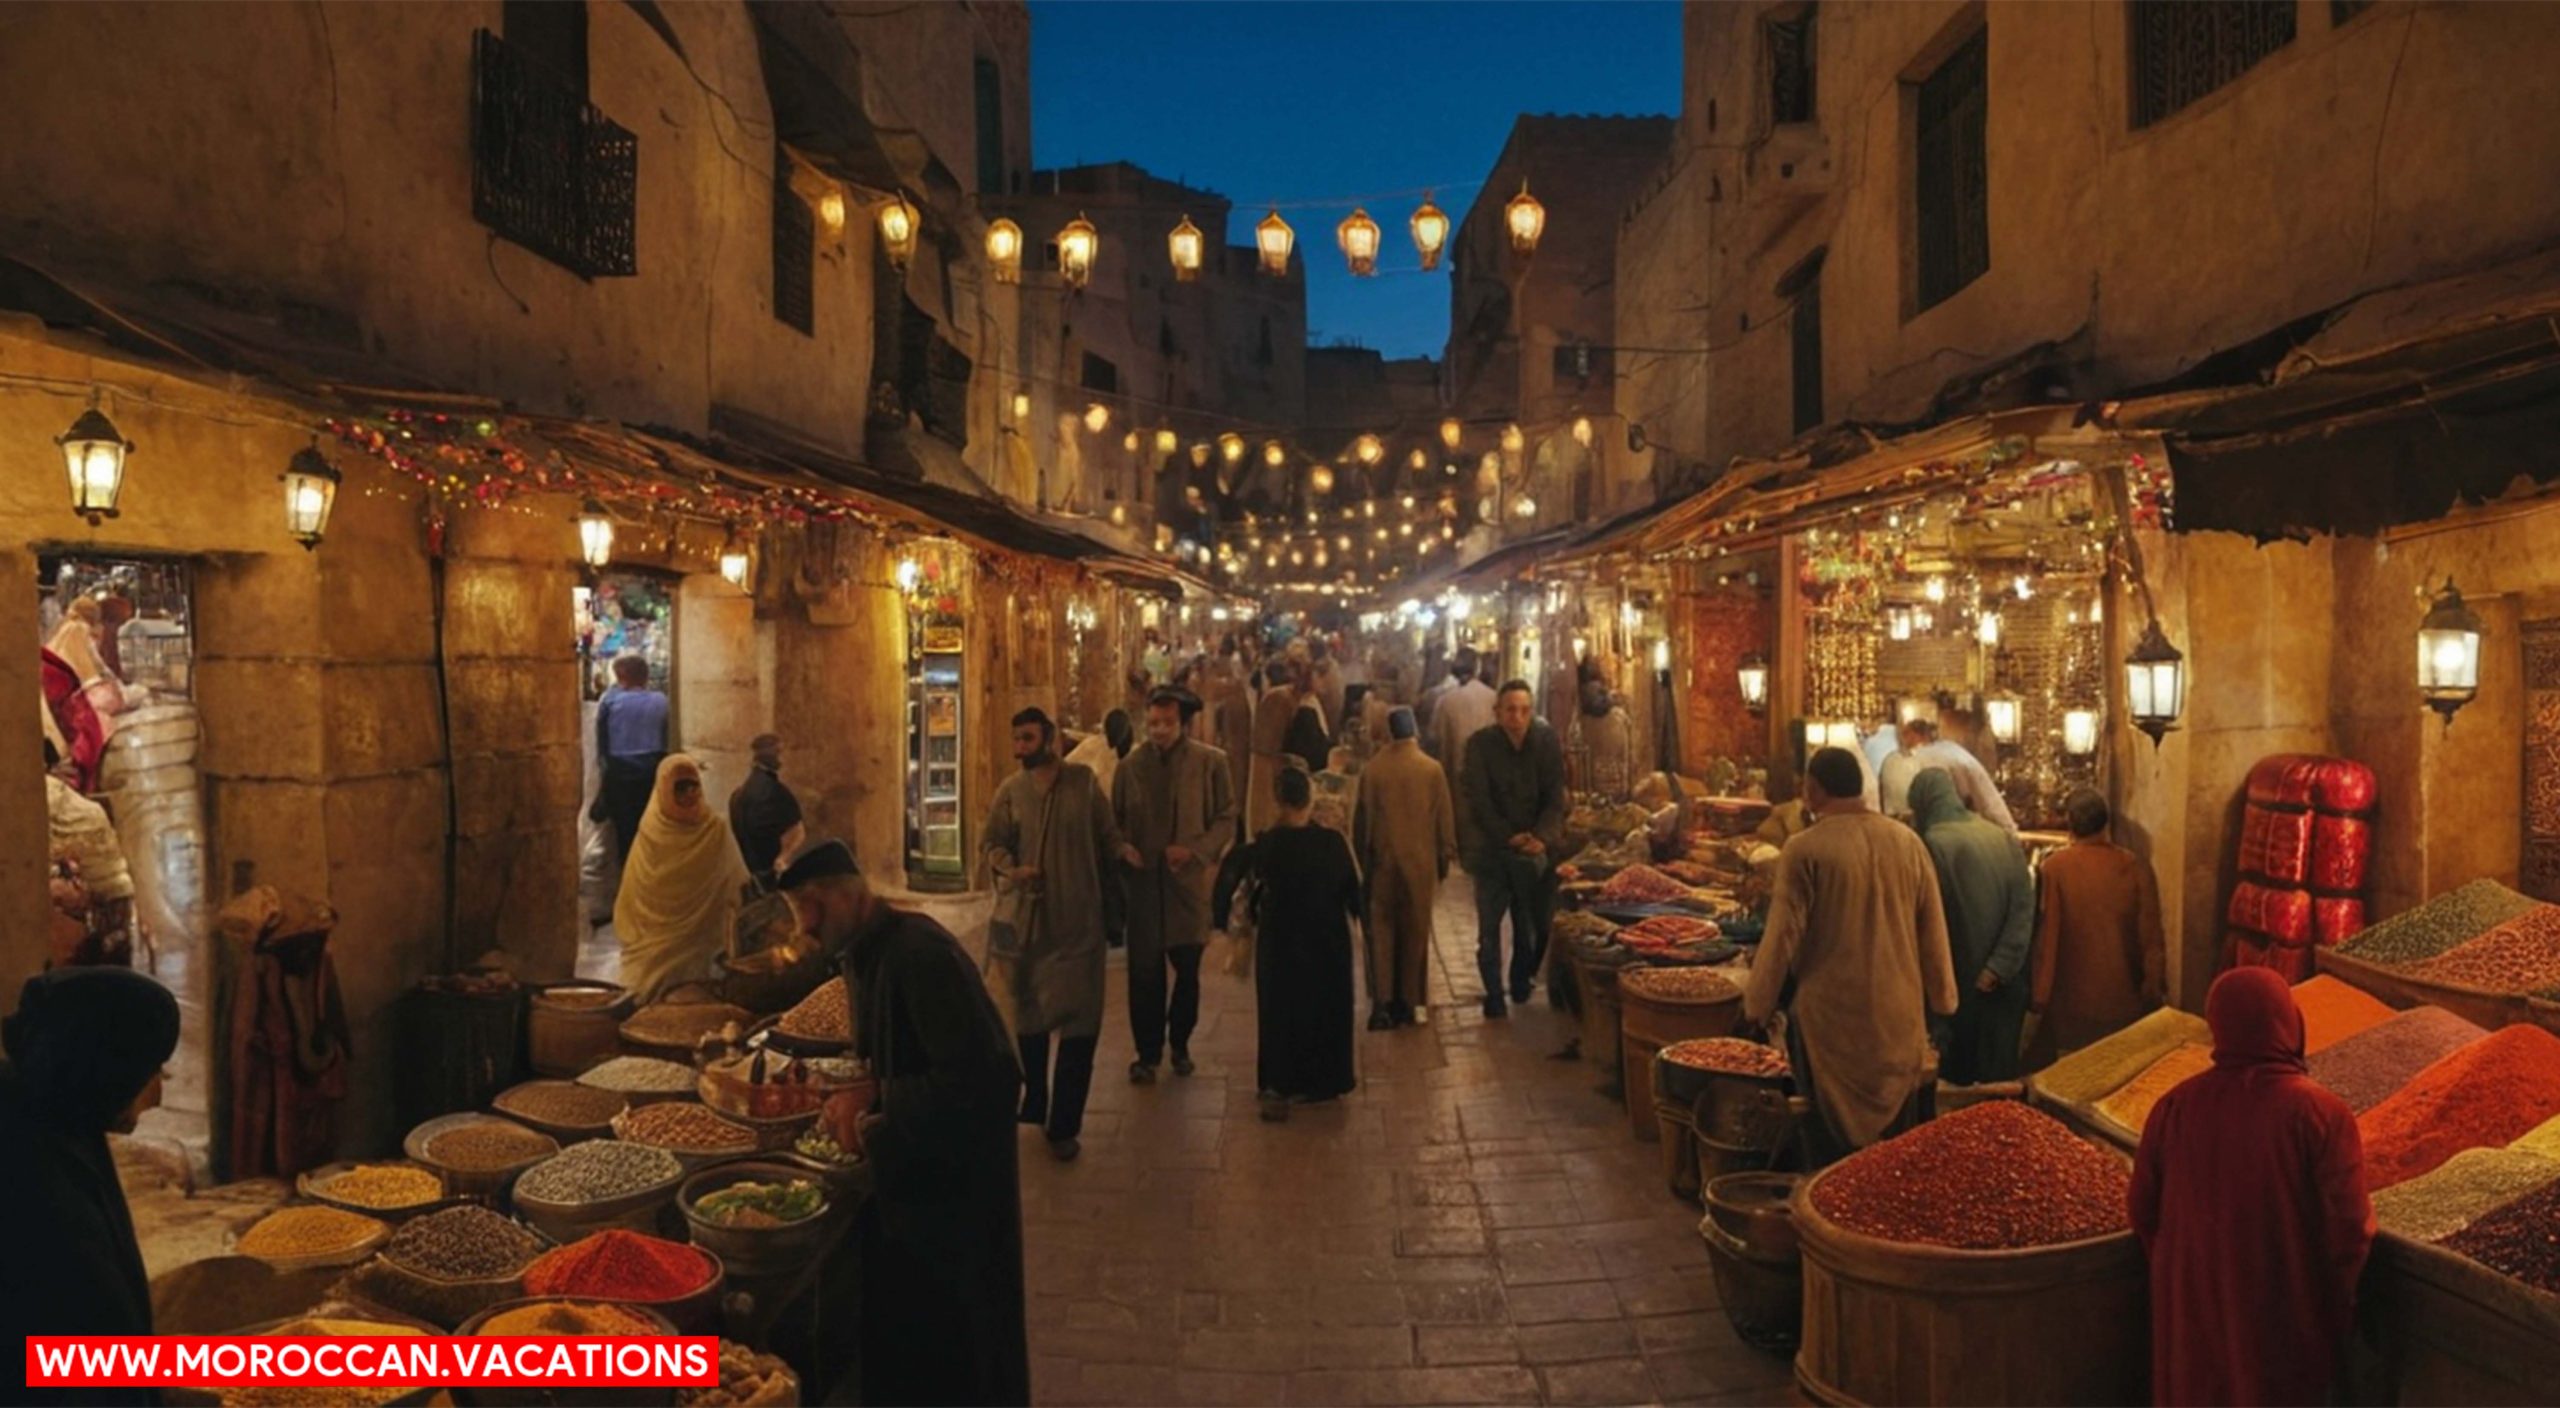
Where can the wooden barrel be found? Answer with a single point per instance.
(1750, 1234)
(1892, 1322)
(567, 1029)
(1600, 1018)
(1677, 1132)
(1652, 1021)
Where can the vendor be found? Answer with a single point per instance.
(92, 886)
(85, 1050)
(2248, 1194)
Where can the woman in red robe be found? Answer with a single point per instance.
(2249, 1196)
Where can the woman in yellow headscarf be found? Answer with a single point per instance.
(679, 889)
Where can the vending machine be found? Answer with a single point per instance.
(936, 857)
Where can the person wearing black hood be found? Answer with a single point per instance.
(85, 1050)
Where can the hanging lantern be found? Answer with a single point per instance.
(595, 534)
(2079, 732)
(1274, 453)
(831, 211)
(1129, 442)
(1451, 433)
(1525, 506)
(2024, 588)
(2155, 683)
(310, 490)
(1369, 449)
(1004, 251)
(1897, 622)
(2002, 712)
(1200, 454)
(1986, 628)
(94, 453)
(1525, 219)
(1021, 407)
(2449, 653)
(1512, 440)
(1418, 462)
(1935, 589)
(899, 222)
(909, 572)
(1097, 417)
(1358, 236)
(1582, 431)
(1274, 238)
(1078, 243)
(1320, 479)
(1662, 659)
(1167, 442)
(1183, 246)
(1231, 446)
(1923, 620)
(1752, 676)
(734, 560)
(1430, 231)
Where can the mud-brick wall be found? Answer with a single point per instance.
(838, 678)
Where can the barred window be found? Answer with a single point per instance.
(2184, 49)
(1805, 352)
(795, 252)
(1790, 48)
(548, 171)
(1953, 177)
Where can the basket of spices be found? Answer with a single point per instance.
(761, 1218)
(747, 1380)
(679, 1282)
(821, 1024)
(671, 1028)
(393, 1192)
(696, 1134)
(1660, 1006)
(571, 1317)
(298, 1238)
(323, 1320)
(571, 1026)
(599, 1184)
(479, 1155)
(779, 1095)
(447, 1266)
(642, 1080)
(563, 1109)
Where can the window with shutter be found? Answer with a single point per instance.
(2184, 49)
(1952, 182)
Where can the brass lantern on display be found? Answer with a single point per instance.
(595, 534)
(899, 222)
(1525, 219)
(1752, 677)
(1582, 431)
(1183, 246)
(1430, 232)
(1097, 417)
(310, 491)
(1167, 442)
(1358, 236)
(1004, 251)
(2002, 712)
(1513, 440)
(2155, 683)
(1078, 244)
(1897, 622)
(1274, 238)
(94, 453)
(2449, 653)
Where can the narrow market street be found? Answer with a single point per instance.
(1473, 1225)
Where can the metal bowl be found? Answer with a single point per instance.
(314, 1184)
(480, 1185)
(759, 1251)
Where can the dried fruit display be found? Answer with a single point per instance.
(1994, 1175)
(1728, 1055)
(689, 1127)
(1667, 929)
(1641, 884)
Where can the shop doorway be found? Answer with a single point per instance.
(620, 615)
(118, 636)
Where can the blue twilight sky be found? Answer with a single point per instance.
(1316, 105)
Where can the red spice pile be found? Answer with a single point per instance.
(1727, 1055)
(2488, 1092)
(2521, 1239)
(1995, 1175)
(619, 1265)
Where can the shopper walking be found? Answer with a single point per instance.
(1306, 894)
(680, 889)
(1513, 781)
(1100, 753)
(1990, 906)
(1856, 956)
(631, 740)
(1465, 711)
(764, 816)
(1405, 832)
(1175, 802)
(1288, 731)
(2100, 960)
(1048, 840)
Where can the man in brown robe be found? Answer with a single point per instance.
(1288, 724)
(1856, 953)
(1176, 806)
(1405, 832)
(2099, 961)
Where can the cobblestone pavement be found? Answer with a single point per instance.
(1473, 1225)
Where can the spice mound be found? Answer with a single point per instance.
(2521, 955)
(2489, 1092)
(2447, 921)
(2366, 1068)
(1727, 1055)
(468, 1243)
(564, 1104)
(567, 1318)
(688, 1127)
(619, 1265)
(1681, 984)
(388, 1186)
(2106, 1064)
(327, 1325)
(2131, 1106)
(640, 1075)
(821, 1016)
(682, 1023)
(761, 1204)
(2333, 1011)
(307, 1231)
(488, 1146)
(2436, 1205)
(1993, 1176)
(2518, 1239)
(598, 1171)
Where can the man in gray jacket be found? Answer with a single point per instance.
(1511, 823)
(1176, 801)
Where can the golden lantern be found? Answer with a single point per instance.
(1451, 433)
(1430, 231)
(1004, 251)
(1582, 431)
(899, 222)
(1525, 219)
(1320, 479)
(1752, 678)
(734, 561)
(1097, 418)
(2449, 653)
(1078, 243)
(1274, 454)
(831, 211)
(1358, 236)
(1417, 462)
(1370, 449)
(595, 534)
(310, 489)
(1274, 238)
(1129, 442)
(94, 452)
(2005, 715)
(1231, 447)
(1200, 454)
(1512, 440)
(1167, 442)
(1183, 246)
(2079, 732)
(1021, 406)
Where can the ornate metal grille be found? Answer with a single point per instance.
(1805, 353)
(795, 258)
(548, 171)
(2541, 869)
(2184, 49)
(1954, 186)
(1790, 46)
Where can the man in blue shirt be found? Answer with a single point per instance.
(631, 740)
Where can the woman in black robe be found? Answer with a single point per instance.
(85, 1049)
(1306, 895)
